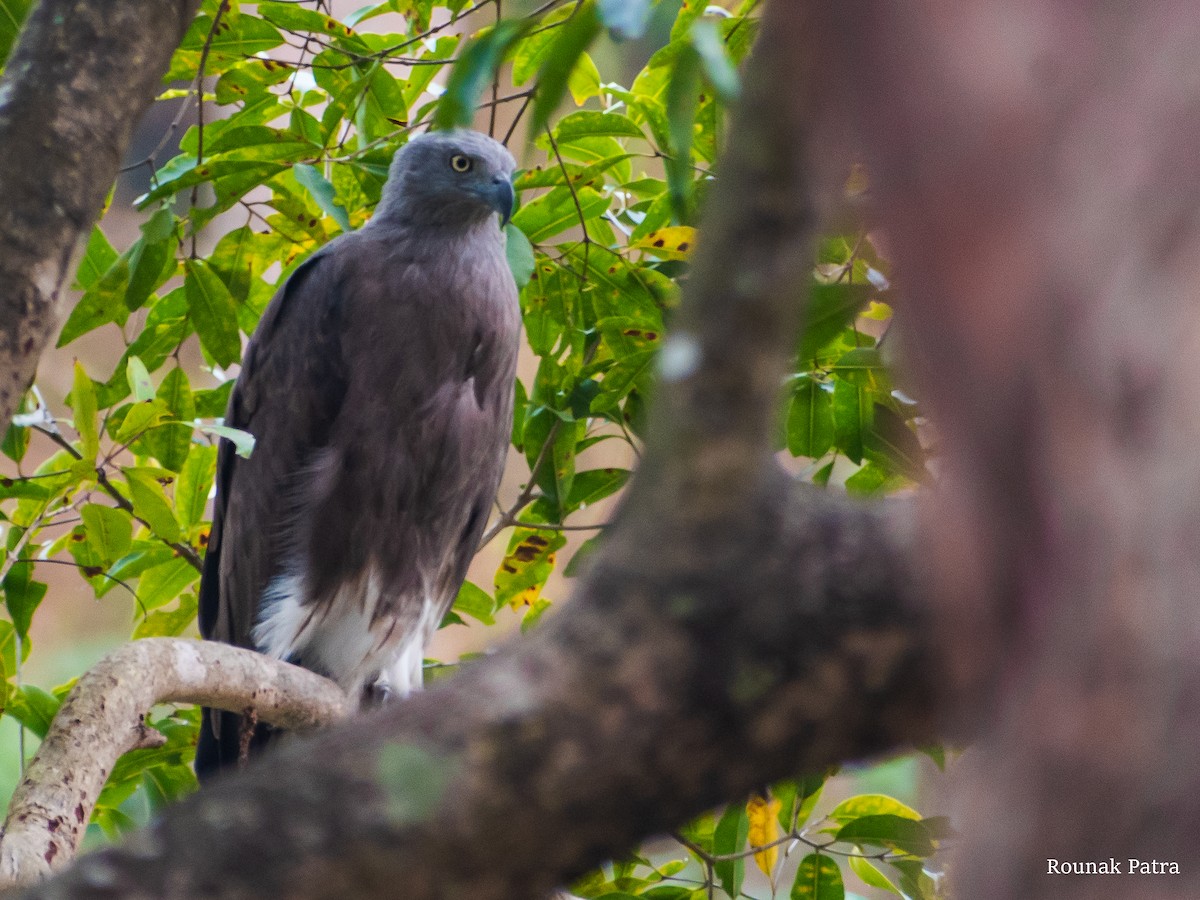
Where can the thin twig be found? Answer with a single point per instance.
(212, 33)
(186, 551)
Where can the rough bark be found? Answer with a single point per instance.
(79, 78)
(1036, 168)
(104, 717)
(736, 628)
(651, 698)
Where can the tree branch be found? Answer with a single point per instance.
(736, 627)
(104, 717)
(78, 80)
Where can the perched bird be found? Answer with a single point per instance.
(379, 389)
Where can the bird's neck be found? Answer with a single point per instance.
(434, 230)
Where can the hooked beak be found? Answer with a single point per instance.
(502, 198)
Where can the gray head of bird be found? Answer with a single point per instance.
(448, 178)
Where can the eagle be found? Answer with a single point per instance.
(379, 389)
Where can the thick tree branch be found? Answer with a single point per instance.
(103, 718)
(80, 77)
(737, 627)
(644, 702)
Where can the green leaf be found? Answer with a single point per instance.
(144, 555)
(555, 212)
(291, 17)
(242, 257)
(818, 878)
(797, 799)
(83, 405)
(150, 504)
(891, 831)
(526, 566)
(167, 325)
(520, 254)
(682, 98)
(589, 123)
(382, 108)
(22, 596)
(831, 308)
(864, 367)
(12, 17)
(868, 481)
(192, 487)
(852, 417)
(33, 708)
(730, 837)
(557, 66)
(231, 175)
(97, 259)
(810, 429)
(584, 83)
(159, 586)
(166, 622)
(595, 484)
(150, 262)
(322, 192)
(15, 443)
(102, 303)
(871, 876)
(8, 651)
(240, 36)
(912, 880)
(533, 614)
(139, 379)
(109, 531)
(213, 312)
(213, 403)
(171, 443)
(243, 441)
(474, 70)
(545, 302)
(168, 784)
(139, 419)
(476, 603)
(871, 805)
(714, 59)
(249, 80)
(893, 445)
(689, 12)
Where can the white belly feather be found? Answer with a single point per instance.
(344, 636)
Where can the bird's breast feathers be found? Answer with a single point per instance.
(354, 637)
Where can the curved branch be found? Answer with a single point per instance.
(104, 717)
(79, 79)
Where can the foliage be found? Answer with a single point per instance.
(301, 112)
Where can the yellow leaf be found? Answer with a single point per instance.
(763, 815)
(673, 242)
(528, 563)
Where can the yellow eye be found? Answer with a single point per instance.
(460, 163)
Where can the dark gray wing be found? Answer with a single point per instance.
(288, 394)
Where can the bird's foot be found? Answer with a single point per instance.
(377, 694)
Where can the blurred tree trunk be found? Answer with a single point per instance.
(75, 86)
(1036, 169)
